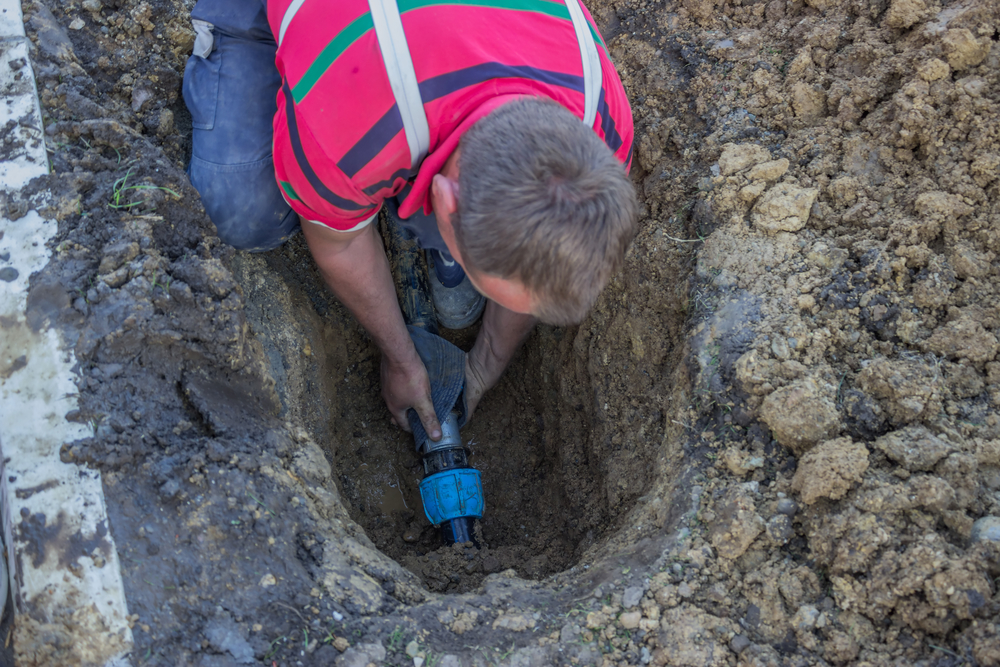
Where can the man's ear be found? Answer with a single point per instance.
(444, 194)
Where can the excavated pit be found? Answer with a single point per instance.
(567, 442)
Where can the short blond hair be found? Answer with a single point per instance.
(543, 200)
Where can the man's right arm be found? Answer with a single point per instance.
(356, 269)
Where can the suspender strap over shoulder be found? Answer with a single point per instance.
(592, 76)
(402, 77)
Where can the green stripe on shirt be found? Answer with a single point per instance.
(289, 191)
(361, 25)
(328, 55)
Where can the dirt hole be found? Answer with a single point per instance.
(566, 443)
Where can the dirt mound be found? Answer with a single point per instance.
(774, 442)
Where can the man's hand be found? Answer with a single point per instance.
(404, 386)
(355, 267)
(499, 339)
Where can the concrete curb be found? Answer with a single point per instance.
(64, 570)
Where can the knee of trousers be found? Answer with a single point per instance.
(244, 203)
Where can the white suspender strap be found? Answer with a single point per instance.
(287, 18)
(592, 77)
(402, 76)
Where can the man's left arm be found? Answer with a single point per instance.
(500, 337)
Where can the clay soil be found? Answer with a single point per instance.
(775, 441)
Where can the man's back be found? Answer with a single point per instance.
(339, 145)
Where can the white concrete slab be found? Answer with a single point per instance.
(65, 576)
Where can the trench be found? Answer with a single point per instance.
(570, 443)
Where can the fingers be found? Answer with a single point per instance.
(425, 410)
(400, 423)
(405, 388)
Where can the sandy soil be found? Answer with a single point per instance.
(774, 442)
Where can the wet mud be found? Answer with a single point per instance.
(774, 442)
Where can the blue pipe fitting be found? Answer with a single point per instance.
(452, 494)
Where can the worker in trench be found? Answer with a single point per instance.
(463, 119)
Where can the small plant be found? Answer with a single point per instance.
(121, 188)
(259, 502)
(397, 640)
(95, 422)
(274, 647)
(165, 285)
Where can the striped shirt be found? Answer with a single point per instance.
(339, 146)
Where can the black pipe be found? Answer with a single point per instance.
(409, 273)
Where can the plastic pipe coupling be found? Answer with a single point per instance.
(452, 491)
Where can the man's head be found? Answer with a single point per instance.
(541, 210)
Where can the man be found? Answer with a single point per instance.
(465, 117)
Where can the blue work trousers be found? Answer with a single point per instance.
(231, 93)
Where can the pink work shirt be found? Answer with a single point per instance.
(339, 146)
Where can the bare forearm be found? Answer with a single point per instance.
(500, 337)
(360, 277)
(355, 267)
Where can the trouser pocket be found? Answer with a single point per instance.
(201, 89)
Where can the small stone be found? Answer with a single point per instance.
(769, 171)
(736, 157)
(8, 274)
(117, 254)
(739, 643)
(596, 620)
(515, 622)
(165, 124)
(92, 5)
(779, 529)
(750, 192)
(787, 506)
(632, 596)
(805, 618)
(77, 24)
(963, 49)
(933, 70)
(904, 13)
(630, 619)
(737, 524)
(986, 529)
(806, 302)
(684, 590)
(784, 208)
(802, 414)
(412, 649)
(268, 580)
(913, 447)
(830, 469)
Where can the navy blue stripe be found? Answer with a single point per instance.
(628, 158)
(300, 156)
(379, 136)
(445, 84)
(372, 189)
(611, 136)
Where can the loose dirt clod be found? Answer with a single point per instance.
(810, 312)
